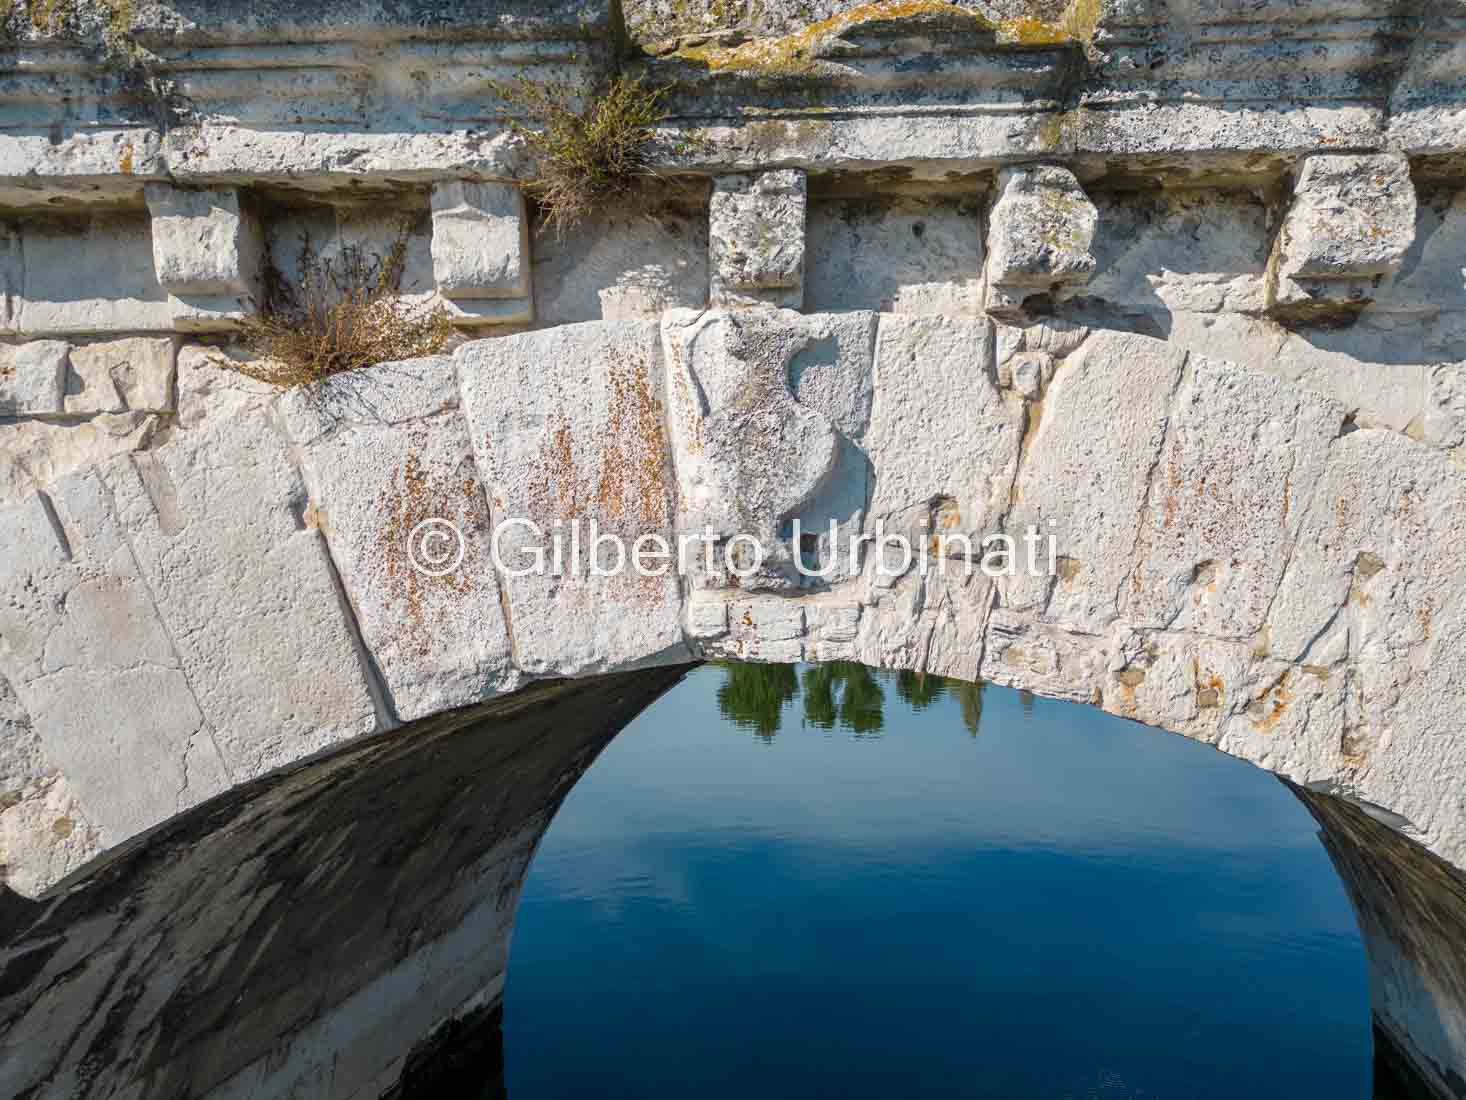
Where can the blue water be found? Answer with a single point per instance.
(857, 891)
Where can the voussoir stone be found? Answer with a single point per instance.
(568, 428)
(395, 491)
(217, 518)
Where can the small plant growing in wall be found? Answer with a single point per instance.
(589, 153)
(345, 313)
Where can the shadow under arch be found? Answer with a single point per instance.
(342, 928)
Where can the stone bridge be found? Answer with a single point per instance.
(1182, 287)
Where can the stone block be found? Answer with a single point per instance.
(568, 428)
(1352, 220)
(93, 663)
(204, 242)
(1087, 473)
(129, 375)
(218, 519)
(1240, 462)
(33, 378)
(1445, 405)
(387, 459)
(34, 453)
(91, 275)
(1040, 232)
(749, 457)
(480, 240)
(756, 239)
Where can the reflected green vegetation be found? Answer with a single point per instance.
(838, 695)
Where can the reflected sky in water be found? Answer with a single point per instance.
(797, 882)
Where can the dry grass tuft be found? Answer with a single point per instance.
(346, 314)
(588, 153)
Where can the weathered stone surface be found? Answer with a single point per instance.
(1040, 657)
(1445, 405)
(480, 240)
(33, 378)
(756, 237)
(217, 520)
(204, 242)
(568, 427)
(387, 459)
(45, 834)
(1370, 582)
(93, 663)
(1040, 230)
(749, 457)
(623, 264)
(1240, 462)
(1352, 220)
(1086, 474)
(962, 447)
(930, 255)
(35, 453)
(130, 375)
(91, 274)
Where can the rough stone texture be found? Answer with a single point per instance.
(568, 428)
(217, 520)
(756, 235)
(729, 375)
(480, 240)
(1241, 460)
(385, 452)
(1352, 220)
(1040, 230)
(1087, 473)
(86, 650)
(623, 264)
(130, 375)
(33, 378)
(930, 251)
(204, 242)
(34, 453)
(91, 274)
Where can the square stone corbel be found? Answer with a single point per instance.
(1350, 224)
(481, 252)
(1040, 231)
(756, 239)
(208, 252)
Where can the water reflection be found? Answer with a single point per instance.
(838, 695)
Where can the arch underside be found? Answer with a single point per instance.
(242, 949)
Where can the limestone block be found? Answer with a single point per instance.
(1041, 229)
(567, 427)
(33, 378)
(1240, 462)
(749, 457)
(217, 518)
(35, 453)
(93, 274)
(623, 264)
(1371, 593)
(94, 665)
(387, 458)
(1086, 473)
(1445, 405)
(707, 618)
(204, 242)
(765, 628)
(756, 238)
(209, 386)
(899, 255)
(1180, 682)
(480, 240)
(1352, 220)
(943, 440)
(130, 375)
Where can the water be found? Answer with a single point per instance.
(809, 883)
